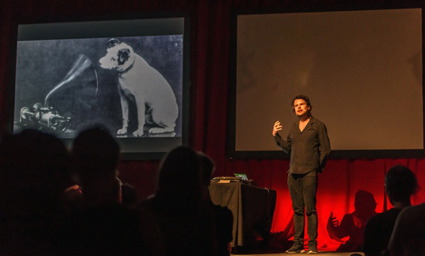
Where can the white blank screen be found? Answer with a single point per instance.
(362, 71)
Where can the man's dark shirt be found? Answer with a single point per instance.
(309, 149)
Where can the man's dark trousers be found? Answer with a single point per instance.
(303, 188)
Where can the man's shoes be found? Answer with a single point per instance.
(296, 248)
(312, 249)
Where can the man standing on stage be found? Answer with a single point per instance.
(309, 147)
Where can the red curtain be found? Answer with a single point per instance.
(210, 55)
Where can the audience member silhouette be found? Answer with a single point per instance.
(96, 155)
(33, 177)
(104, 226)
(400, 185)
(182, 222)
(408, 237)
(223, 216)
(353, 224)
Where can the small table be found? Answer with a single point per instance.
(252, 209)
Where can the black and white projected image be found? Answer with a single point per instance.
(62, 87)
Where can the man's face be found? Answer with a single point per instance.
(300, 107)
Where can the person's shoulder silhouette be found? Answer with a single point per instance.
(32, 180)
(184, 220)
(400, 185)
(408, 237)
(223, 217)
(103, 226)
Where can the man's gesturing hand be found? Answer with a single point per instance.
(276, 127)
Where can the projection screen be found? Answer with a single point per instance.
(362, 71)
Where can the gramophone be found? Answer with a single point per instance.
(60, 107)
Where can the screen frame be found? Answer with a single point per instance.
(231, 151)
(131, 148)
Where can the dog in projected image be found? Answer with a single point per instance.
(154, 98)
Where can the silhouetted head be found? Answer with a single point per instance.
(95, 153)
(208, 168)
(35, 161)
(179, 181)
(400, 184)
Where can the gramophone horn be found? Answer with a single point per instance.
(82, 69)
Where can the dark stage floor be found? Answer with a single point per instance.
(322, 253)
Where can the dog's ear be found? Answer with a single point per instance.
(123, 55)
(112, 42)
